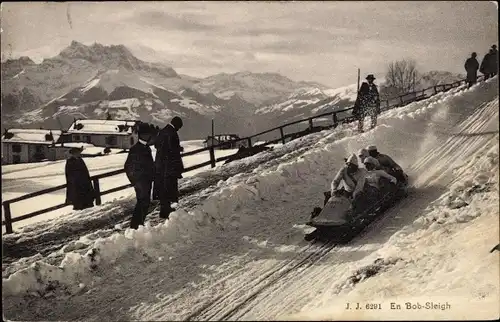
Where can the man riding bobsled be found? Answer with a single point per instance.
(387, 164)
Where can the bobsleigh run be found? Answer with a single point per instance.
(338, 222)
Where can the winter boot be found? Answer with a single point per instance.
(328, 195)
(316, 211)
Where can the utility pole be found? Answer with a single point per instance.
(213, 134)
(357, 89)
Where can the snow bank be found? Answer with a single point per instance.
(220, 209)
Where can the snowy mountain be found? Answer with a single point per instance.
(256, 88)
(306, 102)
(90, 81)
(12, 68)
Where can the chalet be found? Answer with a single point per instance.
(28, 145)
(118, 134)
(231, 140)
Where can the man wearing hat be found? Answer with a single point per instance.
(471, 67)
(79, 190)
(169, 166)
(139, 168)
(489, 65)
(367, 103)
(387, 163)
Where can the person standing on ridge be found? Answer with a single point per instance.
(367, 103)
(79, 190)
(169, 166)
(493, 61)
(140, 170)
(489, 64)
(471, 66)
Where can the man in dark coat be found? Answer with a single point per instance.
(79, 190)
(367, 103)
(489, 64)
(140, 170)
(493, 60)
(169, 166)
(471, 66)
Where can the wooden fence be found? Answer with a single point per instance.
(336, 120)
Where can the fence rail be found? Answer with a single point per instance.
(336, 120)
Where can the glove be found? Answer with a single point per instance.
(180, 176)
(394, 181)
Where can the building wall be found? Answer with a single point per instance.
(122, 141)
(58, 153)
(27, 153)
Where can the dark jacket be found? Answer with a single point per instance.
(79, 189)
(485, 64)
(387, 163)
(471, 66)
(139, 165)
(368, 97)
(168, 159)
(168, 164)
(493, 61)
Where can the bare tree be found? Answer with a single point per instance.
(402, 76)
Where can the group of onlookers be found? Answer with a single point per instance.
(488, 67)
(141, 170)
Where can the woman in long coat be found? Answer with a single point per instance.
(169, 166)
(79, 191)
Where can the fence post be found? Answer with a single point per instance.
(97, 190)
(249, 140)
(310, 123)
(401, 99)
(435, 90)
(282, 135)
(335, 120)
(212, 156)
(8, 217)
(387, 104)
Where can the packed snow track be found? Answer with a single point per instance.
(240, 254)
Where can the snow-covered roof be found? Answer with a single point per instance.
(88, 149)
(119, 127)
(31, 136)
(75, 145)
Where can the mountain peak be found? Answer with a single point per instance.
(96, 51)
(112, 56)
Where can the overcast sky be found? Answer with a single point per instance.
(315, 41)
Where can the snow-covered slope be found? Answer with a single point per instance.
(240, 255)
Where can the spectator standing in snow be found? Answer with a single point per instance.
(493, 60)
(140, 170)
(489, 65)
(169, 166)
(79, 190)
(471, 66)
(367, 103)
